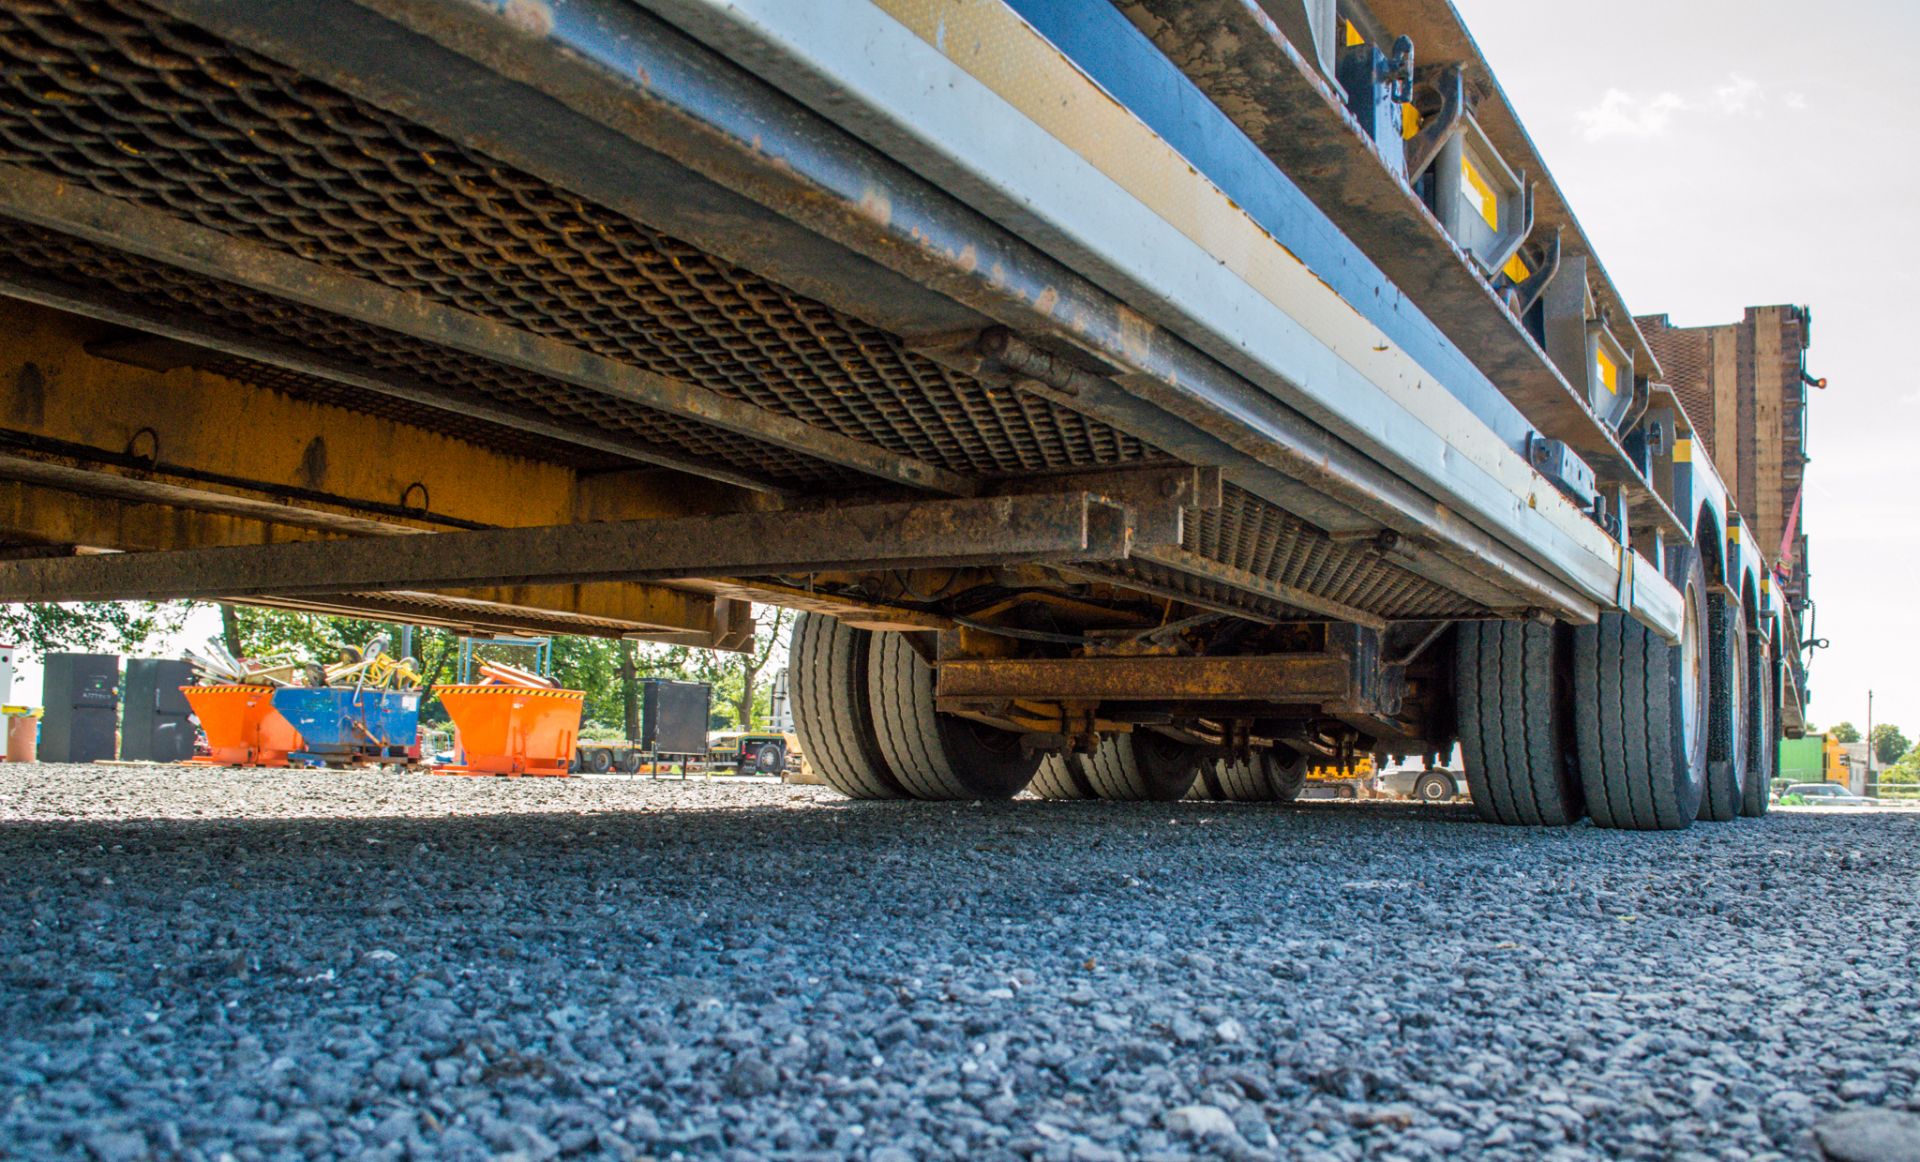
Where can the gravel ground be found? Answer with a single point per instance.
(209, 964)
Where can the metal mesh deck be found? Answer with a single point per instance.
(1276, 546)
(81, 264)
(129, 102)
(120, 98)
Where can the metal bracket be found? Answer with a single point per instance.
(1422, 150)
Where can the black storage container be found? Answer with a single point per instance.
(82, 701)
(673, 716)
(155, 724)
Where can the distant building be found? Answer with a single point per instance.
(1745, 388)
(1854, 754)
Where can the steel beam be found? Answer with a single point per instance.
(1068, 527)
(202, 440)
(1169, 492)
(202, 335)
(1288, 679)
(61, 520)
(35, 198)
(464, 615)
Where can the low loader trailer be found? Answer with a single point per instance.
(1132, 396)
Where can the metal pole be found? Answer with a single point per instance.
(1872, 790)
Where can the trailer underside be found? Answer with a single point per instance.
(634, 337)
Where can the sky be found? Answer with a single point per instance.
(1731, 153)
(1728, 153)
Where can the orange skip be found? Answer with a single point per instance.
(512, 730)
(243, 729)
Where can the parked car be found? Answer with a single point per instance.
(1421, 785)
(763, 752)
(1824, 795)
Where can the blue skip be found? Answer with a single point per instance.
(344, 725)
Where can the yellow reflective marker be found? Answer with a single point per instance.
(1683, 451)
(1354, 39)
(1516, 269)
(1489, 202)
(1609, 371)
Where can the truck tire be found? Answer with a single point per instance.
(629, 762)
(1763, 740)
(936, 756)
(827, 678)
(1061, 778)
(599, 760)
(1729, 721)
(1142, 767)
(1642, 739)
(1265, 776)
(1515, 714)
(1434, 787)
(770, 759)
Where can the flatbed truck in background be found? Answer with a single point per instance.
(1132, 395)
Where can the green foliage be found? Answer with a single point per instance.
(1904, 771)
(89, 626)
(267, 633)
(591, 665)
(1889, 745)
(1845, 732)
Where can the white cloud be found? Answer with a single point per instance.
(1621, 114)
(1795, 101)
(1739, 95)
(1625, 115)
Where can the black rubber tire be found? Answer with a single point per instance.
(1635, 762)
(1206, 788)
(827, 679)
(1142, 767)
(1266, 776)
(599, 760)
(1729, 709)
(1514, 712)
(1433, 788)
(937, 756)
(770, 759)
(1763, 757)
(629, 761)
(1061, 777)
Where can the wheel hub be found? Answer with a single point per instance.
(1692, 678)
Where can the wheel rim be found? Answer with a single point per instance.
(1693, 678)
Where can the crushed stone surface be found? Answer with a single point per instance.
(209, 964)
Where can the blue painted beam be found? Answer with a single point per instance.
(1120, 58)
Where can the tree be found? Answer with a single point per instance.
(630, 687)
(1889, 745)
(1906, 771)
(249, 631)
(116, 626)
(751, 663)
(1846, 733)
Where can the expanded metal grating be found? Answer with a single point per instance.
(120, 98)
(82, 265)
(132, 103)
(1275, 545)
(1254, 537)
